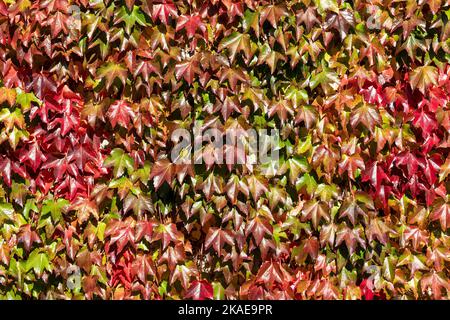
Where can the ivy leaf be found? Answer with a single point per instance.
(272, 272)
(422, 77)
(417, 236)
(190, 23)
(173, 255)
(311, 247)
(351, 164)
(444, 170)
(144, 229)
(375, 174)
(351, 209)
(142, 267)
(270, 57)
(183, 274)
(187, 70)
(251, 21)
(411, 45)
(139, 204)
(442, 213)
(8, 95)
(436, 282)
(121, 113)
(211, 185)
(233, 75)
(296, 166)
(425, 121)
(5, 168)
(308, 17)
(164, 10)
(111, 71)
(257, 186)
(42, 84)
(273, 14)
(324, 5)
(58, 22)
(200, 290)
(33, 156)
(315, 211)
(84, 209)
(120, 161)
(167, 233)
(236, 42)
(25, 99)
(307, 182)
(55, 208)
(328, 234)
(409, 160)
(39, 262)
(162, 170)
(340, 21)
(6, 210)
(120, 234)
(378, 230)
(258, 227)
(130, 17)
(217, 237)
(219, 291)
(328, 80)
(366, 115)
(350, 236)
(308, 115)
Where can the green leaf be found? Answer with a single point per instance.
(6, 210)
(30, 205)
(219, 291)
(328, 80)
(101, 231)
(306, 182)
(130, 18)
(55, 208)
(25, 99)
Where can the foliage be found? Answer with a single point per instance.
(359, 208)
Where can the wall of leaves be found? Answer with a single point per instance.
(92, 207)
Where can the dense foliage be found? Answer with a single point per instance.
(91, 205)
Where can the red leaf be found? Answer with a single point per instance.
(258, 227)
(191, 23)
(272, 272)
(442, 213)
(143, 266)
(33, 156)
(163, 170)
(375, 174)
(164, 10)
(424, 121)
